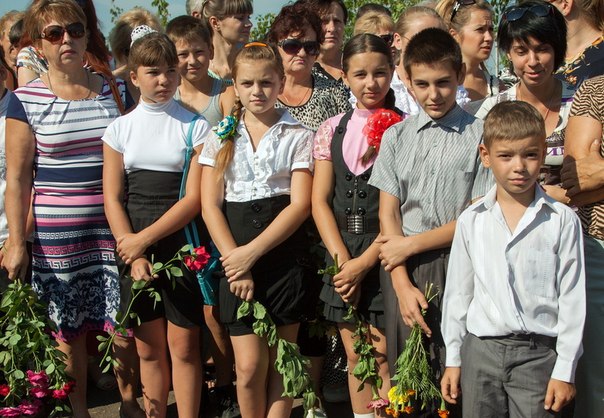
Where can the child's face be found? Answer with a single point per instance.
(157, 84)
(533, 61)
(258, 85)
(368, 77)
(515, 164)
(193, 59)
(435, 87)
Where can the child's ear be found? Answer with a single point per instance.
(134, 78)
(345, 79)
(484, 155)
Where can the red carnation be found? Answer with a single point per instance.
(4, 390)
(59, 394)
(197, 260)
(38, 392)
(10, 412)
(377, 124)
(38, 379)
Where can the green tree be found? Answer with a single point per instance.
(261, 27)
(115, 11)
(162, 11)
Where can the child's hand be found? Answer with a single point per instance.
(449, 384)
(351, 273)
(142, 269)
(410, 302)
(238, 261)
(243, 287)
(394, 250)
(352, 295)
(558, 394)
(131, 246)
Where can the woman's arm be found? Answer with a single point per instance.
(20, 151)
(25, 75)
(241, 259)
(131, 246)
(579, 169)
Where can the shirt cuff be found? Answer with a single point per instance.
(453, 357)
(564, 370)
(206, 161)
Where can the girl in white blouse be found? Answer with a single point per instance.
(256, 184)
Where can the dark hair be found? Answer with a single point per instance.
(16, 32)
(295, 18)
(550, 29)
(373, 7)
(152, 50)
(512, 120)
(322, 6)
(431, 46)
(188, 29)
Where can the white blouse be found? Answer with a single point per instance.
(285, 147)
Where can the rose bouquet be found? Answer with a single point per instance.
(33, 379)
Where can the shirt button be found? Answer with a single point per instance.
(256, 223)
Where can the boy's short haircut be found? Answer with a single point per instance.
(433, 46)
(188, 29)
(513, 120)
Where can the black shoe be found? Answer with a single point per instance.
(226, 402)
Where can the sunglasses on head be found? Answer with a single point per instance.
(388, 38)
(54, 33)
(514, 13)
(458, 4)
(293, 46)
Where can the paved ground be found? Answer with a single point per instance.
(105, 404)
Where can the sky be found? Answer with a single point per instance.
(177, 8)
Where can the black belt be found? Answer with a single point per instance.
(531, 337)
(358, 224)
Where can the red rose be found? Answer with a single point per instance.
(30, 408)
(197, 260)
(38, 392)
(38, 379)
(59, 394)
(10, 412)
(68, 387)
(4, 390)
(377, 124)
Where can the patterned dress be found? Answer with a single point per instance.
(74, 268)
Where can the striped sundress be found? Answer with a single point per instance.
(74, 267)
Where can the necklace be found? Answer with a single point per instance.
(302, 100)
(547, 105)
(87, 85)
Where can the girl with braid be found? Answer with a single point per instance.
(255, 195)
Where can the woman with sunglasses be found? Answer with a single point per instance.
(377, 23)
(471, 24)
(533, 36)
(54, 153)
(585, 37)
(310, 98)
(229, 21)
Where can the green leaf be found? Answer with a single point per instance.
(50, 369)
(176, 271)
(244, 310)
(18, 374)
(259, 311)
(157, 266)
(138, 284)
(186, 249)
(14, 339)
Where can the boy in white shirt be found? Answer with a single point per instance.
(514, 305)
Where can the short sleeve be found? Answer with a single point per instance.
(383, 174)
(111, 138)
(201, 131)
(589, 100)
(15, 109)
(31, 59)
(210, 149)
(303, 154)
(322, 142)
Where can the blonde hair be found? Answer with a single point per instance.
(410, 14)
(373, 22)
(593, 10)
(43, 11)
(513, 120)
(119, 37)
(12, 16)
(462, 16)
(252, 52)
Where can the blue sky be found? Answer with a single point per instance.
(177, 7)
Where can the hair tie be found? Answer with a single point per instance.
(140, 32)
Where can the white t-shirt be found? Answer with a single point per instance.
(285, 147)
(153, 136)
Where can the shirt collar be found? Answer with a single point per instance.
(541, 199)
(452, 120)
(285, 119)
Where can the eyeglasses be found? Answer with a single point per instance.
(458, 4)
(514, 13)
(293, 46)
(388, 38)
(54, 33)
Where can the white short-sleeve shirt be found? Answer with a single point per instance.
(285, 147)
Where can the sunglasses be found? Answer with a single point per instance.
(55, 33)
(293, 46)
(458, 4)
(388, 38)
(514, 13)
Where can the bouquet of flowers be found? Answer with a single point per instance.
(33, 379)
(414, 380)
(195, 259)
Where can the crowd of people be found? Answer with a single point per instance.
(114, 154)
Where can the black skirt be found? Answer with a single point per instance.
(150, 195)
(281, 277)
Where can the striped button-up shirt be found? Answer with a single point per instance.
(432, 167)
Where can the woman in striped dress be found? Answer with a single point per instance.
(54, 149)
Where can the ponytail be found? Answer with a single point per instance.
(227, 151)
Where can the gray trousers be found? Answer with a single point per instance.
(503, 377)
